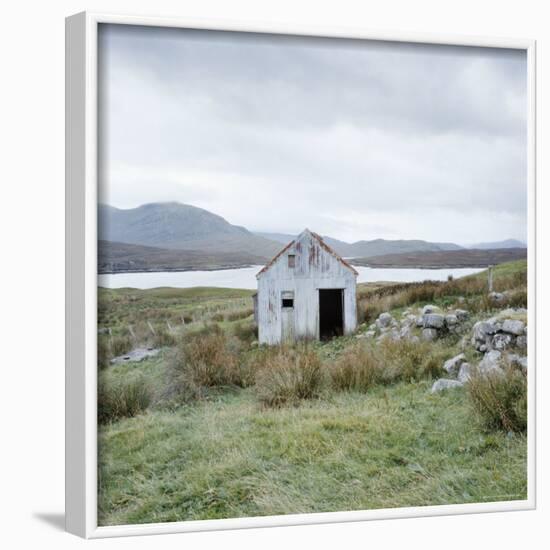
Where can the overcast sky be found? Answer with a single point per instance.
(353, 139)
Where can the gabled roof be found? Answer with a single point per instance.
(323, 245)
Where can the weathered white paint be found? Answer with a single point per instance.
(317, 266)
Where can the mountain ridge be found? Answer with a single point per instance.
(201, 239)
(506, 243)
(173, 225)
(366, 248)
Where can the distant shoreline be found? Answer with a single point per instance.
(226, 268)
(173, 270)
(448, 266)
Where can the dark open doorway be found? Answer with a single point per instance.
(331, 313)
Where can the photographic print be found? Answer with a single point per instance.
(312, 274)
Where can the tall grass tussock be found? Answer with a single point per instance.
(500, 400)
(207, 359)
(362, 366)
(285, 376)
(122, 399)
(110, 346)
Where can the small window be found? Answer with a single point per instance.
(288, 302)
(291, 260)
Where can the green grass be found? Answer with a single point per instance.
(228, 454)
(157, 317)
(396, 446)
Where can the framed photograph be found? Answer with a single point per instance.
(300, 275)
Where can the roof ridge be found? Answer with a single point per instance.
(323, 244)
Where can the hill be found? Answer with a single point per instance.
(178, 226)
(445, 258)
(363, 248)
(508, 243)
(115, 257)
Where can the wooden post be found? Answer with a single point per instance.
(151, 328)
(132, 331)
(490, 278)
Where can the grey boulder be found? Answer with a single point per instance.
(136, 355)
(451, 320)
(491, 362)
(429, 334)
(462, 314)
(502, 341)
(384, 320)
(521, 342)
(513, 327)
(518, 361)
(482, 329)
(445, 384)
(464, 373)
(453, 365)
(434, 320)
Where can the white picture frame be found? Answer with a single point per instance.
(81, 277)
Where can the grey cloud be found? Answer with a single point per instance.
(334, 125)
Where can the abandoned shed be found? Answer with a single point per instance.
(306, 291)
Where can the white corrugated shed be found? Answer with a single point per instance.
(307, 291)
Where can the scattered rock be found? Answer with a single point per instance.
(484, 328)
(384, 320)
(482, 333)
(445, 384)
(521, 342)
(462, 314)
(451, 320)
(498, 333)
(453, 365)
(513, 327)
(502, 341)
(464, 373)
(429, 334)
(389, 335)
(491, 362)
(429, 309)
(136, 355)
(434, 320)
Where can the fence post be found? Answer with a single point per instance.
(490, 278)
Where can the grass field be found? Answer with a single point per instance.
(227, 454)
